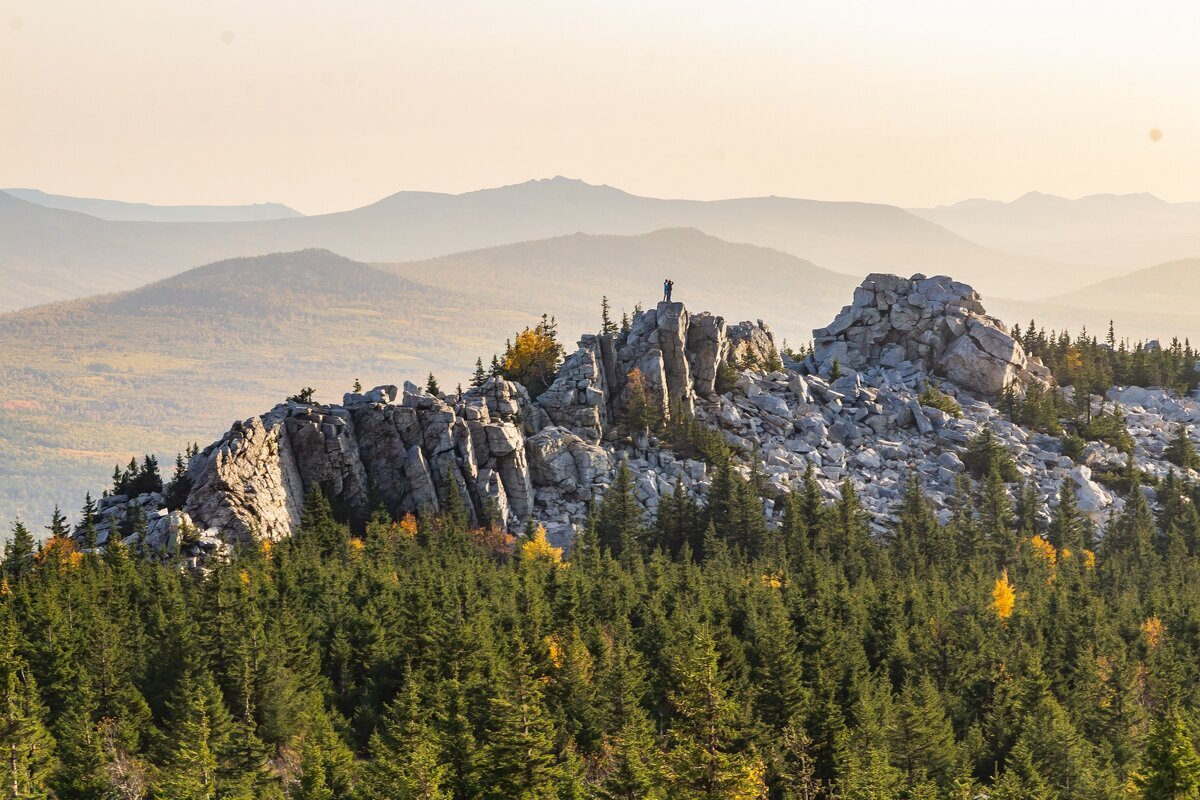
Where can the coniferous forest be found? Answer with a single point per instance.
(704, 656)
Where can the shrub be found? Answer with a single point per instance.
(936, 398)
(1107, 427)
(726, 377)
(640, 414)
(1073, 446)
(985, 452)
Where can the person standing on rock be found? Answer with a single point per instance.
(668, 285)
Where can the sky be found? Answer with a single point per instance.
(331, 105)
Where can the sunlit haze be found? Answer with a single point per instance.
(328, 106)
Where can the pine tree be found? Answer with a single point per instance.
(607, 326)
(1180, 450)
(58, 523)
(81, 759)
(180, 486)
(479, 378)
(18, 552)
(705, 757)
(26, 747)
(431, 386)
(522, 759)
(85, 530)
(190, 768)
(619, 516)
(1171, 767)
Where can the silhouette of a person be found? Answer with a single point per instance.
(668, 285)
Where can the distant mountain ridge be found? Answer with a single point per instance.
(122, 211)
(1108, 233)
(48, 254)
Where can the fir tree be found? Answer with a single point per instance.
(1180, 450)
(26, 747)
(705, 757)
(479, 378)
(607, 326)
(1171, 767)
(18, 552)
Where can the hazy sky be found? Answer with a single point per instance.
(333, 104)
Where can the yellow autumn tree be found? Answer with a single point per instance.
(534, 357)
(1004, 598)
(408, 526)
(1152, 629)
(1045, 553)
(536, 548)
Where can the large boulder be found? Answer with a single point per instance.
(926, 325)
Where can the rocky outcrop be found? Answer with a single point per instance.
(505, 456)
(508, 457)
(933, 326)
(677, 354)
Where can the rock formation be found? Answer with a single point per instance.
(926, 325)
(508, 457)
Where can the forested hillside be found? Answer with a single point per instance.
(703, 656)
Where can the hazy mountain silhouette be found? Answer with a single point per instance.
(50, 253)
(118, 210)
(1109, 233)
(567, 275)
(1165, 289)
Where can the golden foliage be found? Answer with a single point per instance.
(773, 580)
(1004, 598)
(1089, 559)
(1153, 629)
(1046, 553)
(536, 548)
(408, 526)
(533, 358)
(244, 577)
(266, 546)
(357, 545)
(555, 649)
(1044, 550)
(60, 553)
(1074, 360)
(494, 540)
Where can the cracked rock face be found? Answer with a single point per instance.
(926, 325)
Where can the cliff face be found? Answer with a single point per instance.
(508, 457)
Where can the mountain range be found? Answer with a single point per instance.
(52, 253)
(120, 211)
(1101, 232)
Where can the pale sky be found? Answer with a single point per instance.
(331, 105)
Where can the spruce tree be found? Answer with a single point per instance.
(26, 746)
(619, 516)
(607, 326)
(522, 758)
(705, 756)
(1171, 767)
(405, 762)
(1180, 450)
(18, 552)
(479, 378)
